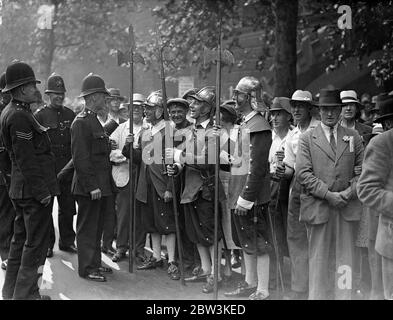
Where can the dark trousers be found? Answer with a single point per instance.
(108, 233)
(123, 223)
(66, 213)
(7, 217)
(89, 227)
(28, 249)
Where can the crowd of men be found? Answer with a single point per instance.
(307, 179)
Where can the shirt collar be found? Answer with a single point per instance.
(204, 124)
(313, 124)
(327, 128)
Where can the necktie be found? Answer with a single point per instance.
(333, 141)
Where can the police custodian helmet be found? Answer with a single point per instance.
(93, 83)
(55, 84)
(18, 74)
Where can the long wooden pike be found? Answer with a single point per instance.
(221, 57)
(169, 144)
(128, 59)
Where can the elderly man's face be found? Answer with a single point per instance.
(330, 115)
(349, 111)
(301, 111)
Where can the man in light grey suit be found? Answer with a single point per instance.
(375, 189)
(326, 162)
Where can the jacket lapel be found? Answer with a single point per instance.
(341, 144)
(321, 141)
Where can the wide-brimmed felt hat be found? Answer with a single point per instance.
(281, 103)
(350, 96)
(18, 74)
(329, 98)
(115, 93)
(385, 105)
(178, 101)
(93, 83)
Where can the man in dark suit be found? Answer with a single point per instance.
(57, 118)
(92, 184)
(33, 184)
(325, 165)
(375, 190)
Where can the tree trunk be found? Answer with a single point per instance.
(286, 16)
(47, 48)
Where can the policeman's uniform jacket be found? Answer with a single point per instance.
(33, 163)
(58, 121)
(90, 150)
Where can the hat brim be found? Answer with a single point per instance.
(88, 92)
(330, 105)
(278, 109)
(54, 91)
(194, 96)
(310, 102)
(353, 101)
(19, 83)
(384, 117)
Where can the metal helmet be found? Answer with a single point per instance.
(248, 85)
(2, 81)
(189, 92)
(55, 84)
(155, 99)
(18, 74)
(206, 94)
(92, 83)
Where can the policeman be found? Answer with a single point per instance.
(7, 212)
(92, 184)
(33, 184)
(58, 119)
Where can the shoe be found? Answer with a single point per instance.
(243, 290)
(110, 251)
(71, 248)
(118, 256)
(200, 276)
(4, 264)
(105, 270)
(294, 295)
(259, 295)
(95, 276)
(173, 271)
(209, 286)
(49, 253)
(150, 263)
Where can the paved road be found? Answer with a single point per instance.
(61, 281)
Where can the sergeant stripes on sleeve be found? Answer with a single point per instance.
(23, 135)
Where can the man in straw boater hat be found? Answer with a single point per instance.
(33, 184)
(92, 184)
(250, 193)
(57, 118)
(325, 169)
(351, 112)
(121, 175)
(302, 109)
(375, 190)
